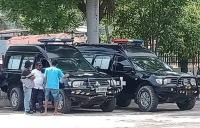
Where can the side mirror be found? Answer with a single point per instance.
(127, 68)
(122, 68)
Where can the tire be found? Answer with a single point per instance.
(16, 99)
(65, 103)
(88, 106)
(108, 106)
(187, 105)
(123, 102)
(147, 93)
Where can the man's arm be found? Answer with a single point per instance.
(61, 75)
(44, 81)
(45, 77)
(28, 74)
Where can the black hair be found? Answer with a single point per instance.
(38, 63)
(54, 62)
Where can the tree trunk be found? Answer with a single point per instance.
(107, 34)
(92, 13)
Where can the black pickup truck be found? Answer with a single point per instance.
(85, 87)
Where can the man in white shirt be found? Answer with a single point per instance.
(38, 90)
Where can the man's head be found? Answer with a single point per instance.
(54, 62)
(38, 65)
(28, 64)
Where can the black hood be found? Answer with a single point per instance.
(165, 73)
(88, 75)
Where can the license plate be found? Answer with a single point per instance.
(188, 93)
(101, 89)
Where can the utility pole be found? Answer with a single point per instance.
(92, 13)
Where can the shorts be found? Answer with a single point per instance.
(54, 92)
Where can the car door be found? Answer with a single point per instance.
(128, 76)
(11, 69)
(103, 63)
(14, 64)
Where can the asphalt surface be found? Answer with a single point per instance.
(166, 116)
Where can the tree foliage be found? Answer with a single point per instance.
(43, 16)
(173, 25)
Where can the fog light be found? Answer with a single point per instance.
(78, 92)
(195, 91)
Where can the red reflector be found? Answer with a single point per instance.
(122, 41)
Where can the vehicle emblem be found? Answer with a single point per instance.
(97, 83)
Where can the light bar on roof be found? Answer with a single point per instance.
(125, 41)
(64, 40)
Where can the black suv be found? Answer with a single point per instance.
(149, 81)
(85, 86)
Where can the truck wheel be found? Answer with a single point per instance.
(88, 106)
(147, 99)
(109, 105)
(16, 99)
(64, 105)
(187, 105)
(123, 102)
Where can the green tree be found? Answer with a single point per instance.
(184, 37)
(43, 16)
(172, 25)
(146, 19)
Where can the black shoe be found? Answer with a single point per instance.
(34, 111)
(29, 112)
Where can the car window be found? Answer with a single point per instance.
(30, 58)
(14, 62)
(89, 58)
(102, 62)
(74, 64)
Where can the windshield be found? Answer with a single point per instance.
(150, 64)
(74, 64)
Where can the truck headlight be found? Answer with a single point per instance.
(77, 83)
(163, 81)
(193, 82)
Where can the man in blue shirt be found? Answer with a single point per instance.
(52, 77)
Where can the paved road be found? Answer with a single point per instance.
(166, 116)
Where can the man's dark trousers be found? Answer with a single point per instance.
(37, 95)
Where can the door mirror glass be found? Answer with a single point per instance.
(122, 65)
(123, 68)
(127, 68)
